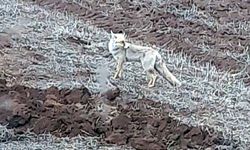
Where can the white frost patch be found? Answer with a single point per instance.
(215, 98)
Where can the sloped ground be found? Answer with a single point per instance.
(44, 48)
(215, 32)
(143, 124)
(48, 141)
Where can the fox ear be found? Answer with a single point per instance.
(112, 34)
(124, 34)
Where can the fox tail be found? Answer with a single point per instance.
(166, 74)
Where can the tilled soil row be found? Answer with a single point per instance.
(164, 26)
(143, 124)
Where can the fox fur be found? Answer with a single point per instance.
(150, 59)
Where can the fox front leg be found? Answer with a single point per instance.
(118, 72)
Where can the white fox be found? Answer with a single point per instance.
(150, 59)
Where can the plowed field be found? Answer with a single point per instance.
(56, 90)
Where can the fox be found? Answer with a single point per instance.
(150, 59)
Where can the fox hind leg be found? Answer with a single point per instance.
(148, 63)
(152, 78)
(149, 78)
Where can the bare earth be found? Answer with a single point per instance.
(56, 75)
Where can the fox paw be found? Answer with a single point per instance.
(114, 78)
(177, 84)
(150, 85)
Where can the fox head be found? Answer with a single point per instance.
(118, 37)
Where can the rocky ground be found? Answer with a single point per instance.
(55, 75)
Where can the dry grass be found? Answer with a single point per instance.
(31, 141)
(215, 98)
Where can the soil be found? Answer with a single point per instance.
(143, 124)
(205, 38)
(4, 41)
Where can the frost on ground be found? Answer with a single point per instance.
(208, 96)
(49, 142)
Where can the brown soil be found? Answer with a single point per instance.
(4, 41)
(143, 124)
(169, 30)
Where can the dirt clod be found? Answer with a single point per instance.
(63, 113)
